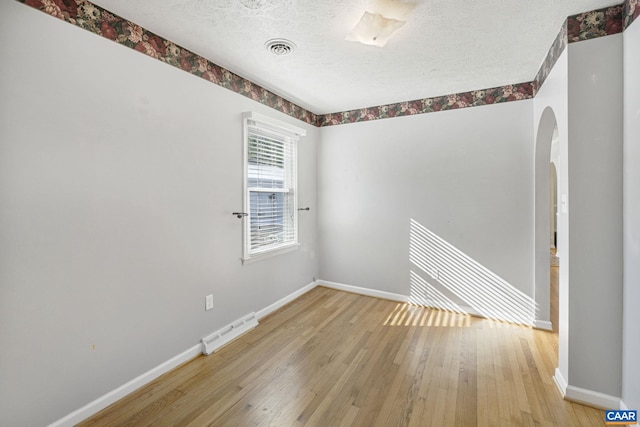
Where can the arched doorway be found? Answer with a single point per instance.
(547, 132)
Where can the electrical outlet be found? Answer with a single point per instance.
(208, 302)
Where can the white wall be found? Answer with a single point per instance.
(631, 215)
(595, 214)
(465, 175)
(584, 91)
(118, 176)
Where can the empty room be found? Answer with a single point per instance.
(297, 213)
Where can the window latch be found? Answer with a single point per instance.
(304, 209)
(240, 214)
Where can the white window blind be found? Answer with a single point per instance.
(271, 193)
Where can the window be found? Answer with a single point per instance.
(270, 163)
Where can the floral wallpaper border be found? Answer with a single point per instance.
(595, 23)
(473, 98)
(86, 15)
(631, 12)
(585, 26)
(557, 47)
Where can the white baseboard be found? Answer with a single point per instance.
(403, 298)
(284, 301)
(592, 398)
(472, 311)
(558, 378)
(586, 397)
(363, 291)
(623, 405)
(569, 392)
(113, 396)
(545, 325)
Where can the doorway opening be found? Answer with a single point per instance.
(554, 257)
(548, 227)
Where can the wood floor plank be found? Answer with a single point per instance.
(332, 358)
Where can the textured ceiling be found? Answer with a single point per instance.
(447, 46)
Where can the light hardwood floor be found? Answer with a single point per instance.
(332, 358)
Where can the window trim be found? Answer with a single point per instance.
(280, 126)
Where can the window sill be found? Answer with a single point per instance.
(270, 254)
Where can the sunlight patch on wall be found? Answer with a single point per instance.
(452, 271)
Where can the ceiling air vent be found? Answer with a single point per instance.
(280, 47)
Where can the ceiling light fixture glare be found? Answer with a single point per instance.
(374, 29)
